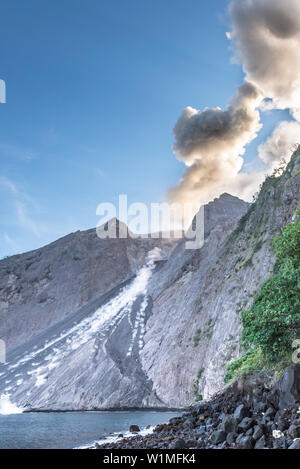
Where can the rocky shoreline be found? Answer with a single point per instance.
(99, 409)
(247, 415)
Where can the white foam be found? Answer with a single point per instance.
(114, 438)
(7, 407)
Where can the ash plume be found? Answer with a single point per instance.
(266, 36)
(211, 142)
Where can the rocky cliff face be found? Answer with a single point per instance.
(43, 287)
(109, 323)
(194, 330)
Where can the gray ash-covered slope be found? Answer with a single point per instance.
(136, 332)
(40, 288)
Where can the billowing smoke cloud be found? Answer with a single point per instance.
(211, 143)
(266, 34)
(280, 144)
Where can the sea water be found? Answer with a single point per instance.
(71, 429)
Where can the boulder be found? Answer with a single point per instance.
(260, 407)
(258, 432)
(179, 444)
(201, 430)
(175, 420)
(282, 424)
(245, 442)
(294, 432)
(245, 424)
(261, 443)
(190, 423)
(218, 437)
(134, 428)
(231, 437)
(295, 444)
(280, 443)
(229, 424)
(270, 412)
(286, 391)
(240, 412)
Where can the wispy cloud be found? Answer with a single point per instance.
(4, 182)
(21, 200)
(16, 152)
(25, 220)
(11, 243)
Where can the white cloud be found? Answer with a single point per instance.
(281, 144)
(21, 202)
(12, 244)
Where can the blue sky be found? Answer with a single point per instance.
(94, 89)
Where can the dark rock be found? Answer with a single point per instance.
(280, 443)
(191, 444)
(134, 428)
(294, 431)
(270, 412)
(261, 443)
(241, 412)
(258, 432)
(218, 437)
(179, 444)
(229, 424)
(200, 443)
(245, 442)
(231, 437)
(282, 424)
(175, 420)
(287, 391)
(190, 423)
(260, 407)
(245, 424)
(295, 444)
(201, 430)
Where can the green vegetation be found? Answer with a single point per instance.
(198, 397)
(273, 321)
(243, 221)
(200, 373)
(196, 337)
(198, 306)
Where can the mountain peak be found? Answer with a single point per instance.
(222, 209)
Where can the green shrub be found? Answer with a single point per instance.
(273, 321)
(248, 362)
